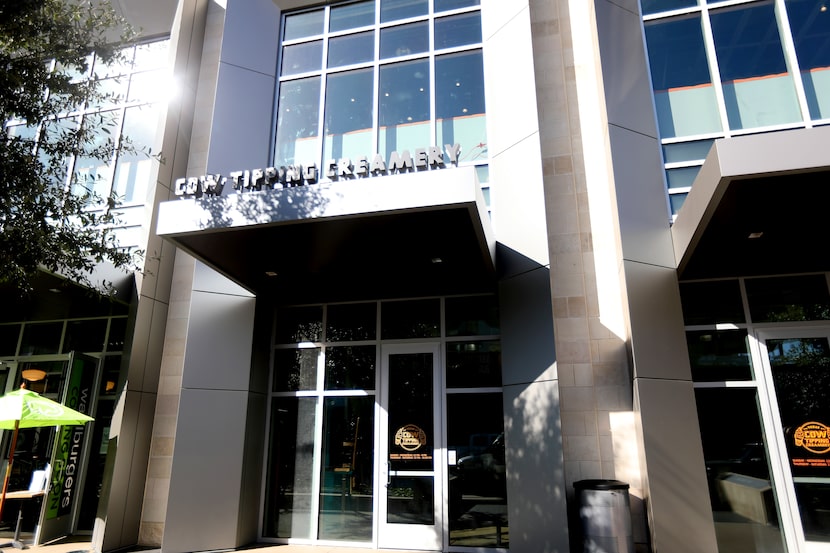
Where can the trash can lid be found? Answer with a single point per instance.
(600, 485)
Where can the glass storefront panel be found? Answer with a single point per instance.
(9, 336)
(303, 24)
(325, 490)
(288, 480)
(472, 316)
(297, 122)
(132, 169)
(403, 113)
(347, 479)
(810, 30)
(473, 364)
(445, 5)
(351, 321)
(477, 475)
(801, 375)
(350, 367)
(778, 299)
(715, 302)
(657, 6)
(719, 355)
(85, 335)
(391, 10)
(352, 16)
(757, 86)
(349, 49)
(404, 40)
(299, 324)
(459, 103)
(743, 499)
(41, 338)
(301, 58)
(683, 92)
(348, 115)
(410, 319)
(295, 369)
(457, 30)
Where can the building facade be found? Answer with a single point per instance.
(417, 267)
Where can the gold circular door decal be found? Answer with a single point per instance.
(410, 437)
(813, 436)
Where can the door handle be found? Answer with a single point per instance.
(388, 474)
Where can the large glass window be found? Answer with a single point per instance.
(683, 92)
(396, 95)
(757, 87)
(810, 24)
(327, 384)
(721, 69)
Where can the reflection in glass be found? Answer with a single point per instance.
(349, 49)
(686, 151)
(149, 86)
(295, 369)
(92, 174)
(299, 324)
(445, 5)
(403, 115)
(711, 302)
(288, 476)
(459, 103)
(410, 500)
(85, 335)
(351, 321)
(810, 26)
(719, 355)
(757, 86)
(411, 440)
(297, 122)
(457, 30)
(682, 177)
(299, 58)
(391, 10)
(404, 40)
(9, 335)
(410, 319)
(799, 298)
(132, 169)
(350, 16)
(473, 364)
(348, 118)
(350, 367)
(151, 55)
(472, 315)
(347, 482)
(656, 6)
(477, 481)
(743, 500)
(801, 374)
(303, 24)
(41, 338)
(683, 92)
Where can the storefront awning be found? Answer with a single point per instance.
(418, 233)
(758, 207)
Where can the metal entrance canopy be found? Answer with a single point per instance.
(410, 234)
(758, 207)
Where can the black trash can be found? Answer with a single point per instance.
(605, 514)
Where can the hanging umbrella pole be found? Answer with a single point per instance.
(9, 467)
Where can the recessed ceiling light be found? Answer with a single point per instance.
(271, 273)
(437, 260)
(753, 235)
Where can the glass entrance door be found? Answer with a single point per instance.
(798, 382)
(410, 503)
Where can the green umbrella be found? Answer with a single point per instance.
(27, 409)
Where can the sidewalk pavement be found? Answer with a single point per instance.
(83, 545)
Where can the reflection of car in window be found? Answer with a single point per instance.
(482, 473)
